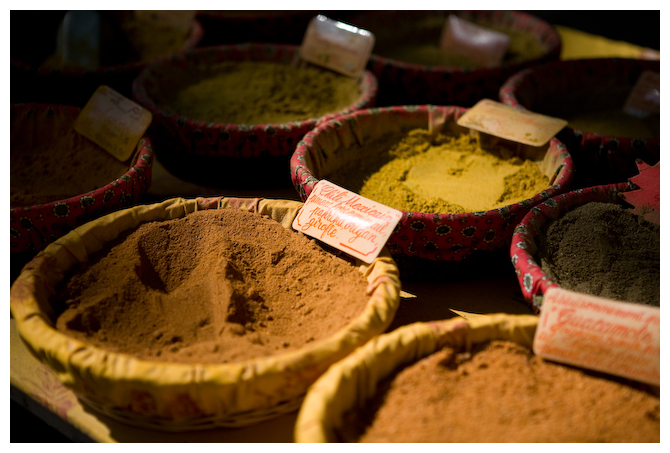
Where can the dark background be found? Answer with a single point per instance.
(636, 27)
(642, 28)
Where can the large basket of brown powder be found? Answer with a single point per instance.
(588, 241)
(471, 381)
(230, 116)
(603, 139)
(411, 68)
(191, 314)
(60, 179)
(459, 192)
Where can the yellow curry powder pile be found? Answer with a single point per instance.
(252, 92)
(449, 174)
(502, 392)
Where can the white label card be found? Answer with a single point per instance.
(347, 221)
(619, 338)
(337, 46)
(522, 126)
(113, 122)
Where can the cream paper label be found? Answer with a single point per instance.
(618, 338)
(506, 122)
(337, 46)
(347, 221)
(113, 122)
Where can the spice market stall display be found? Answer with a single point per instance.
(230, 116)
(412, 68)
(459, 193)
(471, 380)
(591, 241)
(197, 313)
(603, 138)
(61, 180)
(126, 43)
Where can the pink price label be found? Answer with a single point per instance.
(347, 221)
(113, 122)
(522, 126)
(618, 338)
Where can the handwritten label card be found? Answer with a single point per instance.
(113, 122)
(337, 46)
(345, 220)
(618, 338)
(506, 122)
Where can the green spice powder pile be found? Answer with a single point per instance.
(264, 93)
(449, 174)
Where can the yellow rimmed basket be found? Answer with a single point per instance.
(181, 397)
(353, 381)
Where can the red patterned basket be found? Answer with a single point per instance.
(233, 155)
(32, 228)
(436, 237)
(599, 159)
(402, 83)
(533, 281)
(30, 83)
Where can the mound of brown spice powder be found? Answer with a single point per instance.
(501, 392)
(45, 169)
(216, 286)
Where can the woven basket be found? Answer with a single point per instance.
(402, 83)
(532, 279)
(227, 155)
(33, 227)
(436, 237)
(352, 381)
(179, 397)
(604, 82)
(31, 83)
